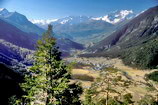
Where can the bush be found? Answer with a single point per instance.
(153, 76)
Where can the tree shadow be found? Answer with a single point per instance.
(9, 84)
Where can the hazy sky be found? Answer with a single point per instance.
(51, 9)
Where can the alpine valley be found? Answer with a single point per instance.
(19, 35)
(113, 59)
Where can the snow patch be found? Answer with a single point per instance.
(65, 21)
(43, 22)
(116, 17)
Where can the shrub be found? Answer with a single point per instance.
(153, 76)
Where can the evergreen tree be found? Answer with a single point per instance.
(48, 83)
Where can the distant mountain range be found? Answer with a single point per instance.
(113, 17)
(81, 28)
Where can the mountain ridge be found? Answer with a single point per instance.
(138, 30)
(20, 21)
(113, 18)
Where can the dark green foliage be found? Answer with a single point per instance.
(127, 99)
(12, 100)
(50, 77)
(89, 96)
(143, 56)
(71, 95)
(153, 76)
(114, 101)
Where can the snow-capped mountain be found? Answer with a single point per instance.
(71, 20)
(79, 28)
(113, 18)
(117, 16)
(42, 23)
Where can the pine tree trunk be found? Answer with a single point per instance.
(47, 101)
(107, 98)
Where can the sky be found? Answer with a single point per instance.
(52, 9)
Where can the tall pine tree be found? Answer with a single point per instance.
(49, 82)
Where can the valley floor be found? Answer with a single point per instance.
(139, 89)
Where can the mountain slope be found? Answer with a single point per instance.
(68, 45)
(139, 30)
(16, 45)
(20, 21)
(15, 36)
(143, 56)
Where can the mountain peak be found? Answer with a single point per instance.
(112, 18)
(4, 12)
(3, 9)
(116, 16)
